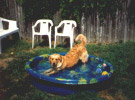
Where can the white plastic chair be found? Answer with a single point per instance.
(12, 28)
(45, 29)
(68, 30)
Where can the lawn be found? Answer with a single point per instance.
(15, 85)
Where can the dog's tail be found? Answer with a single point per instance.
(82, 38)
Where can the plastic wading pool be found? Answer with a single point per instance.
(90, 76)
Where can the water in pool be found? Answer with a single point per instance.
(94, 68)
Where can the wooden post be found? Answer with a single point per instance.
(110, 30)
(0, 46)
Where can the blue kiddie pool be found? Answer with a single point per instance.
(81, 77)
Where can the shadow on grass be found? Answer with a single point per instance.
(64, 44)
(9, 41)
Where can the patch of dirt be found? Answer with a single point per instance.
(105, 95)
(3, 65)
(1, 94)
(1, 86)
(120, 96)
(4, 62)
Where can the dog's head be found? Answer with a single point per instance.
(55, 61)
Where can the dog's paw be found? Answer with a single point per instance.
(45, 73)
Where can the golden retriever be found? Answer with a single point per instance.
(59, 62)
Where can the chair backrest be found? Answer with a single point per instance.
(45, 26)
(69, 26)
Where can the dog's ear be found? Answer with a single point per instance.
(61, 58)
(50, 59)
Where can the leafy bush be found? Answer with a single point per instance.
(70, 9)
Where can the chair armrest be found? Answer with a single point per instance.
(60, 24)
(50, 29)
(3, 19)
(33, 29)
(36, 23)
(1, 24)
(33, 26)
(51, 25)
(75, 23)
(56, 27)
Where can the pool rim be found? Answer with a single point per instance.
(62, 80)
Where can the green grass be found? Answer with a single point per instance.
(16, 85)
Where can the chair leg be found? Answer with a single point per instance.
(71, 42)
(0, 47)
(55, 42)
(49, 36)
(61, 40)
(32, 41)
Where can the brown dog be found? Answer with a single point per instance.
(78, 52)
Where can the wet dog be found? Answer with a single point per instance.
(59, 62)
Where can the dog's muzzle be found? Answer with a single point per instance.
(54, 65)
